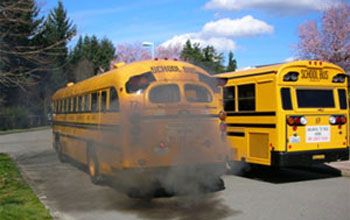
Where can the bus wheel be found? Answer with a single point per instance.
(93, 168)
(62, 158)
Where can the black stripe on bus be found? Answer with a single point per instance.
(252, 125)
(236, 134)
(251, 113)
(91, 126)
(255, 74)
(87, 140)
(180, 116)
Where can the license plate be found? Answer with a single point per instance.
(318, 157)
(316, 134)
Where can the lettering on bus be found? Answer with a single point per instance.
(162, 69)
(314, 74)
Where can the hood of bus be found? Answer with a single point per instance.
(318, 133)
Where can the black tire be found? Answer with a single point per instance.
(93, 168)
(62, 158)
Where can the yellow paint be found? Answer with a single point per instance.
(112, 133)
(268, 81)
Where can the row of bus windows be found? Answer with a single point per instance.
(246, 98)
(98, 101)
(313, 98)
(306, 98)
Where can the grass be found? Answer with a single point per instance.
(23, 130)
(17, 199)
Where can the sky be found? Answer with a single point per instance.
(258, 32)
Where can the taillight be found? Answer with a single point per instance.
(296, 120)
(337, 119)
(222, 115)
(223, 127)
(290, 120)
(343, 120)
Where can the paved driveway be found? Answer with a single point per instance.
(262, 194)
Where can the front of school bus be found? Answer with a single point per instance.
(174, 135)
(313, 121)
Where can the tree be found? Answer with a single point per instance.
(20, 57)
(232, 63)
(328, 39)
(131, 52)
(206, 57)
(170, 52)
(90, 56)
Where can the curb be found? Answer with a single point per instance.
(342, 166)
(55, 214)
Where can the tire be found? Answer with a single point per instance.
(61, 157)
(93, 168)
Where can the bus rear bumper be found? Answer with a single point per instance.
(307, 158)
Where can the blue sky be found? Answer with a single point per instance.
(259, 32)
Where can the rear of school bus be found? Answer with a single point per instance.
(173, 133)
(313, 122)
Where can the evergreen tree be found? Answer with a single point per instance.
(58, 29)
(90, 57)
(207, 58)
(20, 56)
(55, 33)
(232, 63)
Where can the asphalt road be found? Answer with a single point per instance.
(318, 193)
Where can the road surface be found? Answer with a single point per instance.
(261, 194)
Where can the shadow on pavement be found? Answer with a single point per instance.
(69, 190)
(288, 175)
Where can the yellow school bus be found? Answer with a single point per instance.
(148, 123)
(290, 114)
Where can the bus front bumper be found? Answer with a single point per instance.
(307, 158)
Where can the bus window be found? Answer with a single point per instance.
(165, 94)
(68, 107)
(342, 98)
(80, 103)
(139, 83)
(286, 99)
(74, 104)
(246, 97)
(113, 100)
(229, 98)
(315, 98)
(196, 93)
(87, 103)
(63, 107)
(103, 101)
(94, 102)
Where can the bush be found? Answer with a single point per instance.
(14, 118)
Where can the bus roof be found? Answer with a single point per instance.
(123, 73)
(276, 68)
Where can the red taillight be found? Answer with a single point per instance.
(222, 115)
(223, 127)
(290, 120)
(296, 120)
(343, 120)
(337, 119)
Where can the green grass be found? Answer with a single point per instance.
(17, 199)
(23, 130)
